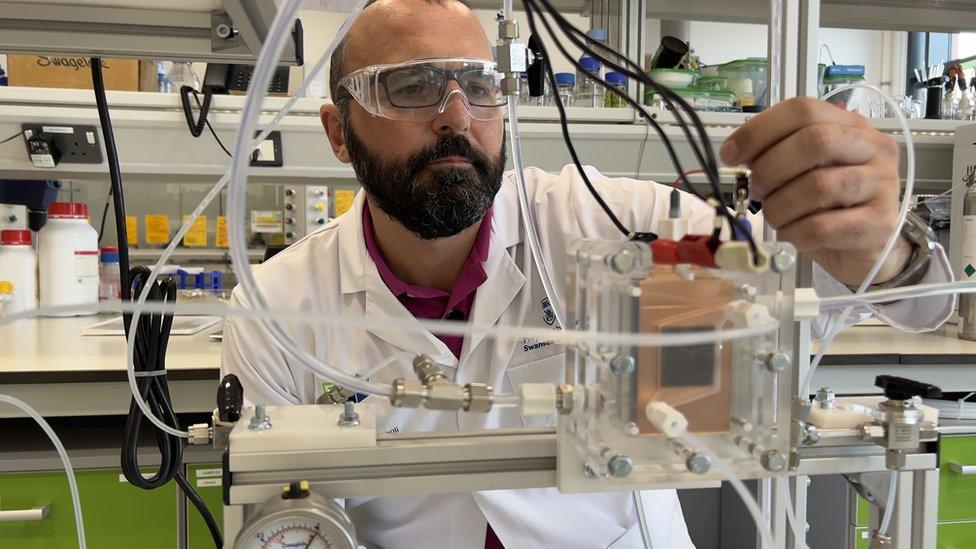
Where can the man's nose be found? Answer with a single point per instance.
(455, 117)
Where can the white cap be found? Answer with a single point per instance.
(668, 420)
(537, 399)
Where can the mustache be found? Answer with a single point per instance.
(449, 145)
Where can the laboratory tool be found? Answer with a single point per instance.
(35, 195)
(68, 257)
(18, 265)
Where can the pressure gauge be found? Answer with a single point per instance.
(298, 519)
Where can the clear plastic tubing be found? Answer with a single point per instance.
(237, 190)
(838, 325)
(65, 462)
(740, 488)
(889, 506)
(907, 292)
(528, 217)
(211, 195)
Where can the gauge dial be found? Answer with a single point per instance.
(299, 520)
(292, 535)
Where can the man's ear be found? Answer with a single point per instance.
(332, 122)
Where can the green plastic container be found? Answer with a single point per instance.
(754, 69)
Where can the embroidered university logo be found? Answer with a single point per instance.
(547, 313)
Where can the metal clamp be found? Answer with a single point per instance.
(436, 392)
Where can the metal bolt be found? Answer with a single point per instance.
(777, 362)
(224, 31)
(260, 421)
(623, 262)
(620, 466)
(825, 398)
(698, 464)
(349, 417)
(747, 292)
(809, 435)
(588, 472)
(772, 460)
(622, 365)
(632, 429)
(783, 261)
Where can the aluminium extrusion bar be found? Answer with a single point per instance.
(52, 28)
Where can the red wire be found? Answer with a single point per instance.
(686, 174)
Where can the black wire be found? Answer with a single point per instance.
(708, 162)
(11, 138)
(101, 225)
(108, 135)
(151, 339)
(196, 126)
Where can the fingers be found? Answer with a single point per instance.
(859, 228)
(779, 121)
(809, 148)
(823, 189)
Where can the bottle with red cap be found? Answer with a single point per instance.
(18, 264)
(68, 259)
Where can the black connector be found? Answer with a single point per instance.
(902, 388)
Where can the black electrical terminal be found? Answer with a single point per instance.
(42, 150)
(230, 398)
(537, 69)
(901, 388)
(295, 490)
(742, 183)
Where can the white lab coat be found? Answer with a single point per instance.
(331, 271)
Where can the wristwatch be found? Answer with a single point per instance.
(923, 240)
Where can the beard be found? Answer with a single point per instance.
(431, 203)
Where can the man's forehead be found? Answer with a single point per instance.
(391, 32)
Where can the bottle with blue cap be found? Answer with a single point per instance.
(617, 81)
(109, 280)
(589, 92)
(565, 82)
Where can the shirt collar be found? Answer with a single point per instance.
(471, 277)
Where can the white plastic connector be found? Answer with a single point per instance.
(806, 304)
(744, 314)
(737, 256)
(667, 420)
(673, 229)
(537, 399)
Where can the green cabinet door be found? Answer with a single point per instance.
(957, 492)
(862, 538)
(116, 514)
(955, 535)
(206, 480)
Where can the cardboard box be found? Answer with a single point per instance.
(49, 71)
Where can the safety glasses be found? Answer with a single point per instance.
(421, 90)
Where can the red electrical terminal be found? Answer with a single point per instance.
(692, 249)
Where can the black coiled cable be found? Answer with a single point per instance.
(151, 338)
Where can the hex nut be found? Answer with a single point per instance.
(426, 369)
(564, 398)
(622, 262)
(407, 393)
(478, 397)
(783, 261)
(622, 365)
(772, 460)
(777, 362)
(620, 466)
(698, 464)
(444, 395)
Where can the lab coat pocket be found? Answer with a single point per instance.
(551, 369)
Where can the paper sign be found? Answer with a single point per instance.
(266, 221)
(222, 240)
(196, 237)
(343, 201)
(132, 230)
(209, 473)
(208, 482)
(157, 229)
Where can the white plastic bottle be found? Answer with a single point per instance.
(68, 259)
(18, 264)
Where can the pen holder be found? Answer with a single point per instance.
(934, 94)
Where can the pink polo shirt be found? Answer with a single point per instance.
(424, 302)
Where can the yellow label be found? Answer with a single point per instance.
(157, 229)
(343, 201)
(196, 237)
(222, 240)
(132, 230)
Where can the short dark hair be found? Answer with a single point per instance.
(337, 66)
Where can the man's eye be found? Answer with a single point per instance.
(477, 90)
(410, 90)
